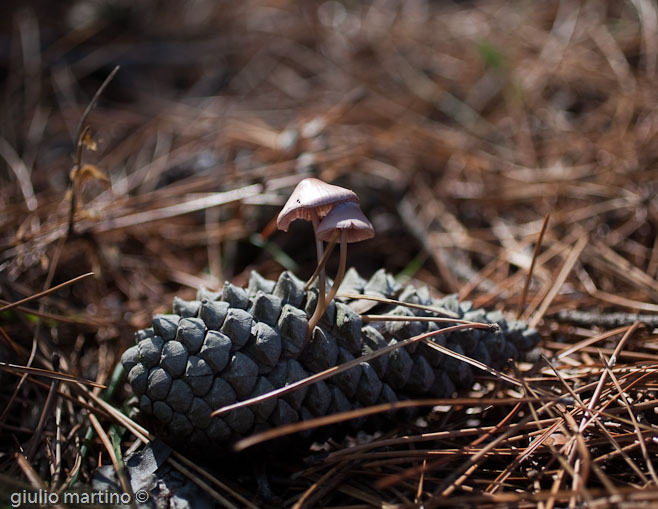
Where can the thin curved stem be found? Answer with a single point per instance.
(321, 265)
(318, 248)
(341, 268)
(319, 310)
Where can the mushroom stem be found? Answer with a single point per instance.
(319, 310)
(341, 268)
(318, 248)
(321, 265)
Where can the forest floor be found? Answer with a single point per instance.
(152, 144)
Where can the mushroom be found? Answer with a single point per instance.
(345, 223)
(311, 200)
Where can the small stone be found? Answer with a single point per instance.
(242, 374)
(432, 355)
(186, 308)
(283, 414)
(199, 413)
(348, 326)
(150, 350)
(290, 289)
(482, 354)
(266, 308)
(405, 330)
(339, 402)
(265, 347)
(218, 430)
(180, 425)
(328, 319)
(373, 341)
(199, 440)
(207, 294)
(451, 303)
(277, 376)
(421, 377)
(370, 385)
(236, 297)
(495, 344)
(474, 335)
(143, 334)
(387, 395)
(159, 383)
(240, 420)
(294, 373)
(237, 326)
(306, 415)
(424, 296)
(399, 367)
(216, 350)
(529, 339)
(467, 339)
(213, 313)
(382, 284)
(465, 306)
(258, 282)
(321, 352)
(496, 316)
(180, 396)
(165, 326)
(138, 378)
(352, 282)
(510, 351)
(347, 380)
(145, 404)
(162, 412)
(129, 358)
(442, 387)
(262, 411)
(292, 327)
(459, 372)
(318, 398)
(191, 332)
(220, 394)
(198, 375)
(174, 358)
(410, 296)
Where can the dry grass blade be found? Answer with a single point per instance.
(460, 125)
(289, 429)
(193, 205)
(36, 482)
(631, 414)
(328, 373)
(118, 468)
(535, 254)
(37, 296)
(188, 468)
(383, 300)
(559, 281)
(56, 375)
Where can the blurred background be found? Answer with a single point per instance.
(460, 125)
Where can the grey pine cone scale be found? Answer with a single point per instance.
(240, 343)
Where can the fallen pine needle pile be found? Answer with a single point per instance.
(504, 151)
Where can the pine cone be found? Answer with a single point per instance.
(240, 343)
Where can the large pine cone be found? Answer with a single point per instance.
(228, 347)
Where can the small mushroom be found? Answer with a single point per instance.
(311, 200)
(345, 223)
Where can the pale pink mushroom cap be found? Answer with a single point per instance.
(311, 195)
(346, 217)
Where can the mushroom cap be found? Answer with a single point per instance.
(348, 217)
(311, 195)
